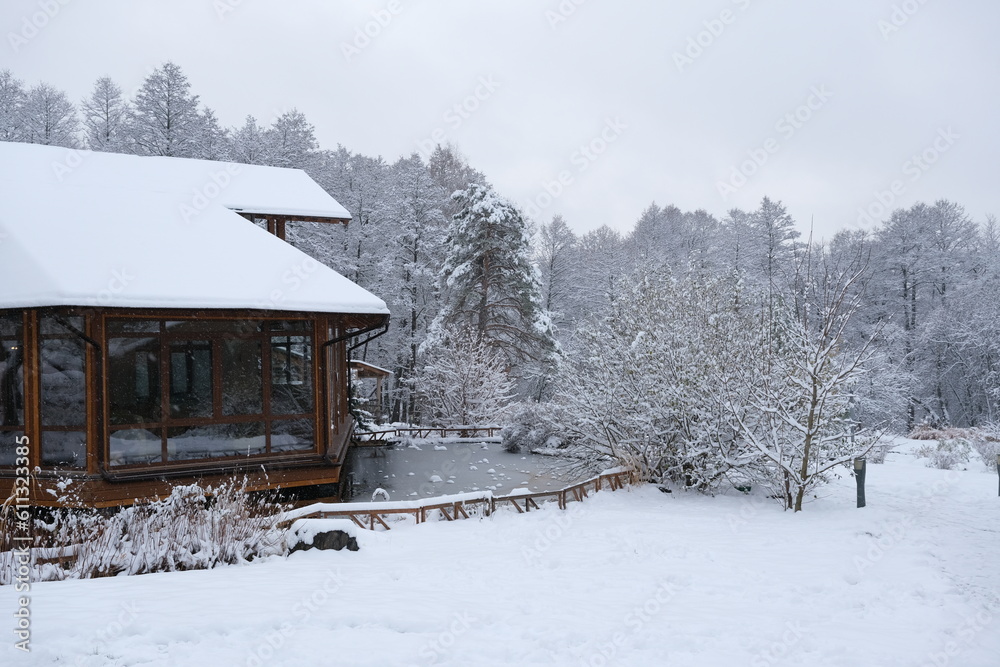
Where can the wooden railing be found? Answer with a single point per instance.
(462, 506)
(370, 437)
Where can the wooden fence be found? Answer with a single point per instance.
(462, 506)
(379, 437)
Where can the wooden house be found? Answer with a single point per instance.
(152, 334)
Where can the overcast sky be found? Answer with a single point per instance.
(676, 102)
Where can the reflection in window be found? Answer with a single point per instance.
(11, 385)
(64, 448)
(190, 379)
(195, 389)
(63, 360)
(135, 445)
(292, 435)
(11, 371)
(134, 381)
(242, 388)
(291, 375)
(216, 440)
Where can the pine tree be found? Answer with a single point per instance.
(489, 283)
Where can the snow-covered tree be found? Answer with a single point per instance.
(165, 118)
(556, 256)
(489, 283)
(250, 144)
(641, 386)
(48, 117)
(464, 381)
(12, 99)
(211, 141)
(292, 141)
(105, 114)
(791, 402)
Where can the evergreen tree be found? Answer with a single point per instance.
(489, 283)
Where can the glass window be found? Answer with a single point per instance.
(64, 381)
(291, 375)
(135, 445)
(190, 379)
(292, 435)
(63, 364)
(133, 326)
(242, 385)
(64, 448)
(134, 380)
(196, 389)
(215, 441)
(11, 371)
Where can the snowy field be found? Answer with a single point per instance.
(630, 578)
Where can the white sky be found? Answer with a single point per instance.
(558, 84)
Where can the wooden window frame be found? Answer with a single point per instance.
(312, 330)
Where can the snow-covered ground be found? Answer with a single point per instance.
(631, 578)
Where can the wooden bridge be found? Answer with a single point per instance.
(461, 506)
(381, 437)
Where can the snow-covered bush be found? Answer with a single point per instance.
(193, 528)
(947, 453)
(699, 382)
(639, 388)
(530, 427)
(987, 446)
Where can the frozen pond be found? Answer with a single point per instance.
(438, 467)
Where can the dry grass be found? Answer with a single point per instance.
(193, 528)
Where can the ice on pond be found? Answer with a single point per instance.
(421, 471)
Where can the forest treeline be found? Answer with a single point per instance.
(491, 308)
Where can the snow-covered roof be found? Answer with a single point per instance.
(240, 187)
(79, 228)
